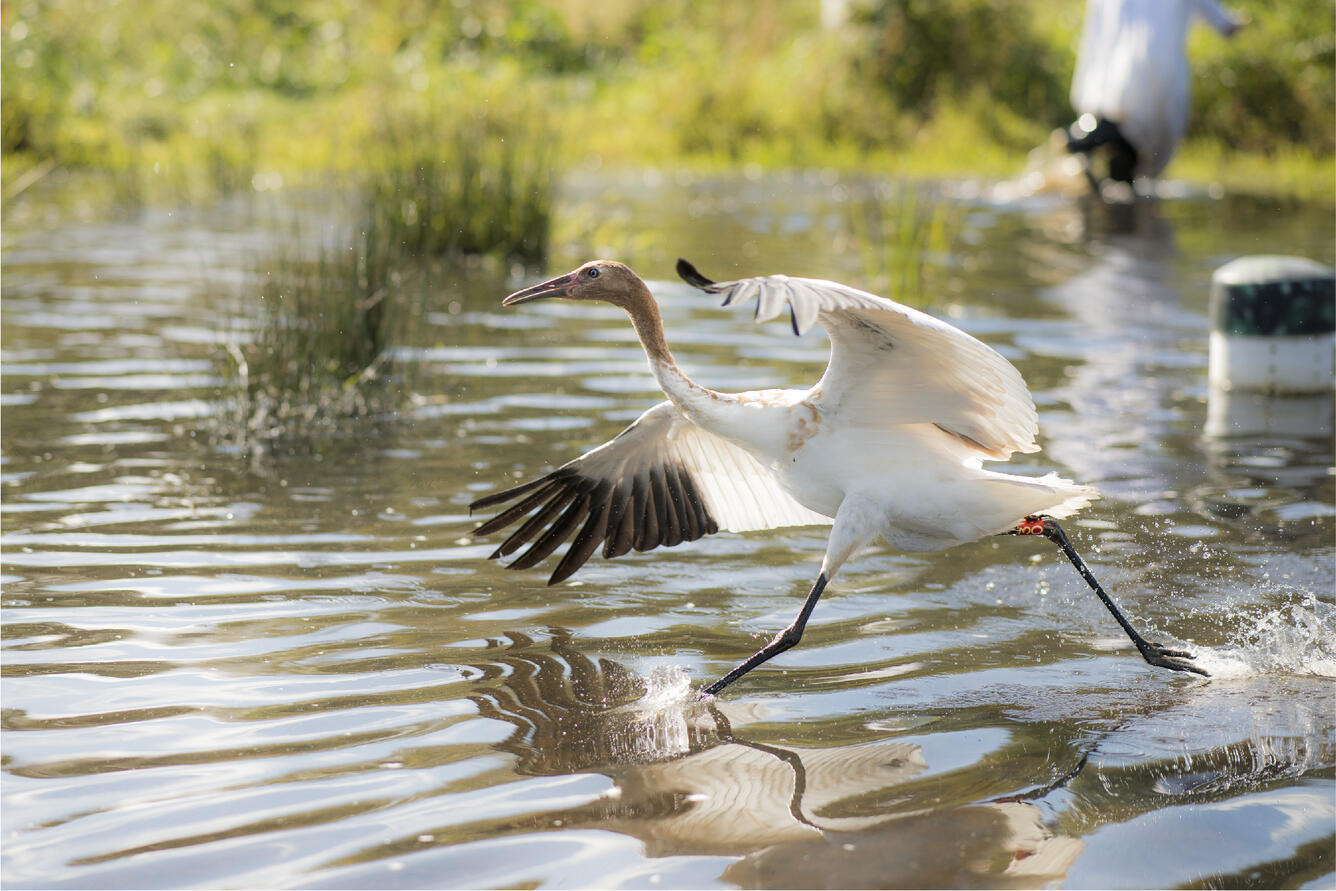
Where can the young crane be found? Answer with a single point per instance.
(891, 442)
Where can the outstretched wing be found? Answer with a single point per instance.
(891, 364)
(662, 481)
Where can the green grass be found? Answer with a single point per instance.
(189, 102)
(1292, 172)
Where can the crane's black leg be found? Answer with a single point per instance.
(1154, 653)
(782, 641)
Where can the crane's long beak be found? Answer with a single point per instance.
(553, 287)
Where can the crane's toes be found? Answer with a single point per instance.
(1174, 660)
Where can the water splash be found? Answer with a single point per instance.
(666, 721)
(1296, 638)
(666, 685)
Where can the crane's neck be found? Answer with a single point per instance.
(702, 405)
(648, 323)
(747, 419)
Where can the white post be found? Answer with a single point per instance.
(1273, 333)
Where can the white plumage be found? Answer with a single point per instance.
(890, 441)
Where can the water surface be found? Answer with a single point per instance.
(300, 671)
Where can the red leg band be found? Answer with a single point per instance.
(1030, 526)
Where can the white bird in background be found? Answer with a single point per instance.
(891, 442)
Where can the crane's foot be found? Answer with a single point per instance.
(1175, 660)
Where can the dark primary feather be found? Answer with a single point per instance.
(659, 507)
(691, 275)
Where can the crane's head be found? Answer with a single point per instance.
(605, 280)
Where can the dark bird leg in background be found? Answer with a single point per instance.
(1122, 154)
(1153, 653)
(782, 641)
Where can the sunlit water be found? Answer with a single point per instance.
(301, 672)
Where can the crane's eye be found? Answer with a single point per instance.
(592, 272)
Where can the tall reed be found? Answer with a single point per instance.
(439, 186)
(905, 237)
(471, 180)
(323, 328)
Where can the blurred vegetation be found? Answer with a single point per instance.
(454, 180)
(212, 96)
(905, 237)
(321, 348)
(1270, 88)
(437, 185)
(999, 62)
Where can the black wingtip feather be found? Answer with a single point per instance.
(658, 506)
(513, 513)
(507, 494)
(691, 275)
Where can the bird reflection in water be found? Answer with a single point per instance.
(574, 714)
(687, 784)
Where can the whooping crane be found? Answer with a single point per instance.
(890, 441)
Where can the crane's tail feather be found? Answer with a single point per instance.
(1079, 500)
(1050, 495)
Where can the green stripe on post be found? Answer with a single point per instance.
(1273, 296)
(1273, 326)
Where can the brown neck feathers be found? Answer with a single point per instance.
(644, 313)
